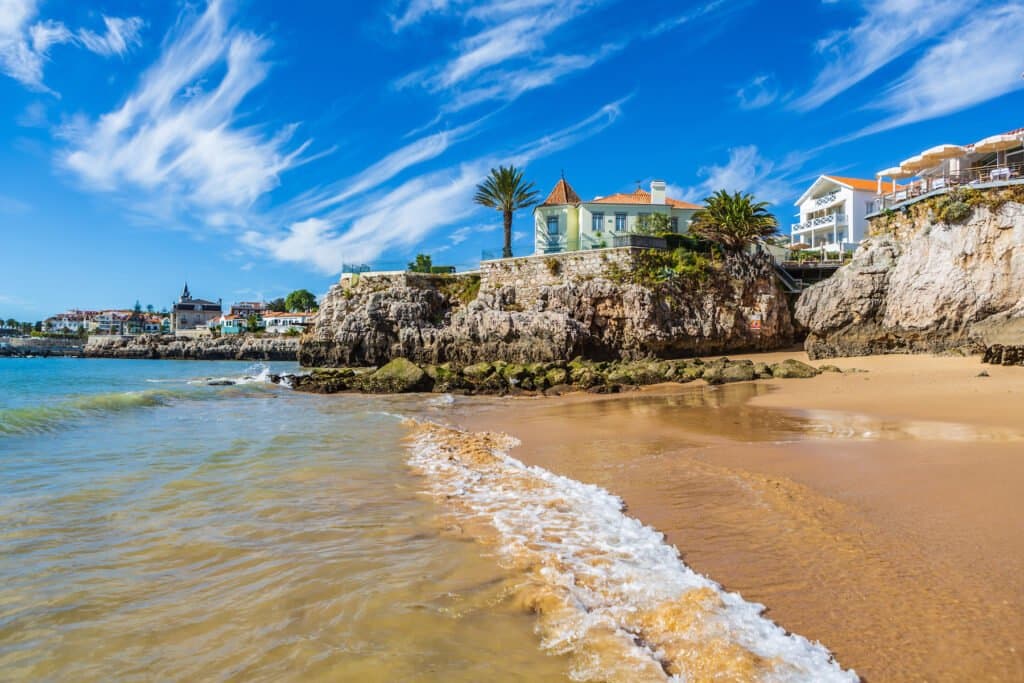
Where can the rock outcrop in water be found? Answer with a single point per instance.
(499, 377)
(235, 347)
(925, 284)
(432, 320)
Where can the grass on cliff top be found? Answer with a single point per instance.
(653, 267)
(462, 288)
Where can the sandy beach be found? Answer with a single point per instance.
(878, 512)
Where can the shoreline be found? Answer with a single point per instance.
(875, 512)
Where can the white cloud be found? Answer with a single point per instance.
(47, 33)
(972, 65)
(759, 93)
(888, 29)
(25, 45)
(34, 116)
(120, 36)
(404, 216)
(419, 151)
(745, 171)
(189, 154)
(18, 58)
(461, 235)
(509, 54)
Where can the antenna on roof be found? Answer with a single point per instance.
(563, 174)
(638, 184)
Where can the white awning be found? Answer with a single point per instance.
(997, 143)
(895, 172)
(915, 163)
(940, 152)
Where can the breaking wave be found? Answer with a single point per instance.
(607, 590)
(39, 419)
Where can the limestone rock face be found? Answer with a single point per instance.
(422, 318)
(236, 347)
(924, 286)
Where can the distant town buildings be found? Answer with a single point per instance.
(282, 323)
(189, 313)
(564, 222)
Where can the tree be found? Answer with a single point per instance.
(733, 220)
(278, 305)
(654, 224)
(422, 264)
(252, 323)
(505, 191)
(149, 309)
(300, 300)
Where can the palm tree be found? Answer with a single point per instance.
(505, 191)
(733, 220)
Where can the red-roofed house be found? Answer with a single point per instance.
(564, 222)
(832, 213)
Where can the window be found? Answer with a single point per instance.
(620, 222)
(869, 206)
(597, 222)
(674, 223)
(552, 225)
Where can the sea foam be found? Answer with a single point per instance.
(608, 590)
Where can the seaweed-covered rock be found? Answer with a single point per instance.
(794, 369)
(397, 377)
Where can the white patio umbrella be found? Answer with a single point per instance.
(998, 144)
(896, 173)
(941, 152)
(915, 164)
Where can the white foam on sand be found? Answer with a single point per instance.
(608, 590)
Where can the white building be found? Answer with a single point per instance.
(832, 213)
(281, 323)
(564, 222)
(71, 322)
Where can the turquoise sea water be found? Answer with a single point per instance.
(158, 528)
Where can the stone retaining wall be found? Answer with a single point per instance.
(531, 273)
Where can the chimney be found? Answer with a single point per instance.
(657, 192)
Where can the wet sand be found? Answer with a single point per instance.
(880, 512)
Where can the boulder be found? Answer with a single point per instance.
(398, 376)
(794, 369)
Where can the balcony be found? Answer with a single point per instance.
(832, 220)
(826, 200)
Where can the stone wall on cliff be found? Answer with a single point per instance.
(550, 308)
(922, 283)
(235, 347)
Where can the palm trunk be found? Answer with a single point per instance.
(507, 251)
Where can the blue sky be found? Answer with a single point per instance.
(253, 147)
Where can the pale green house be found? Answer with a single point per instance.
(564, 222)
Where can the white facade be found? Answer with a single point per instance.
(564, 222)
(832, 213)
(280, 323)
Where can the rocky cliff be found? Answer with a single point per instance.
(236, 347)
(637, 308)
(947, 274)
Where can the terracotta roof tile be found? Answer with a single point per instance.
(562, 193)
(856, 183)
(641, 196)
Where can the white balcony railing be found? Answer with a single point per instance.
(826, 200)
(832, 220)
